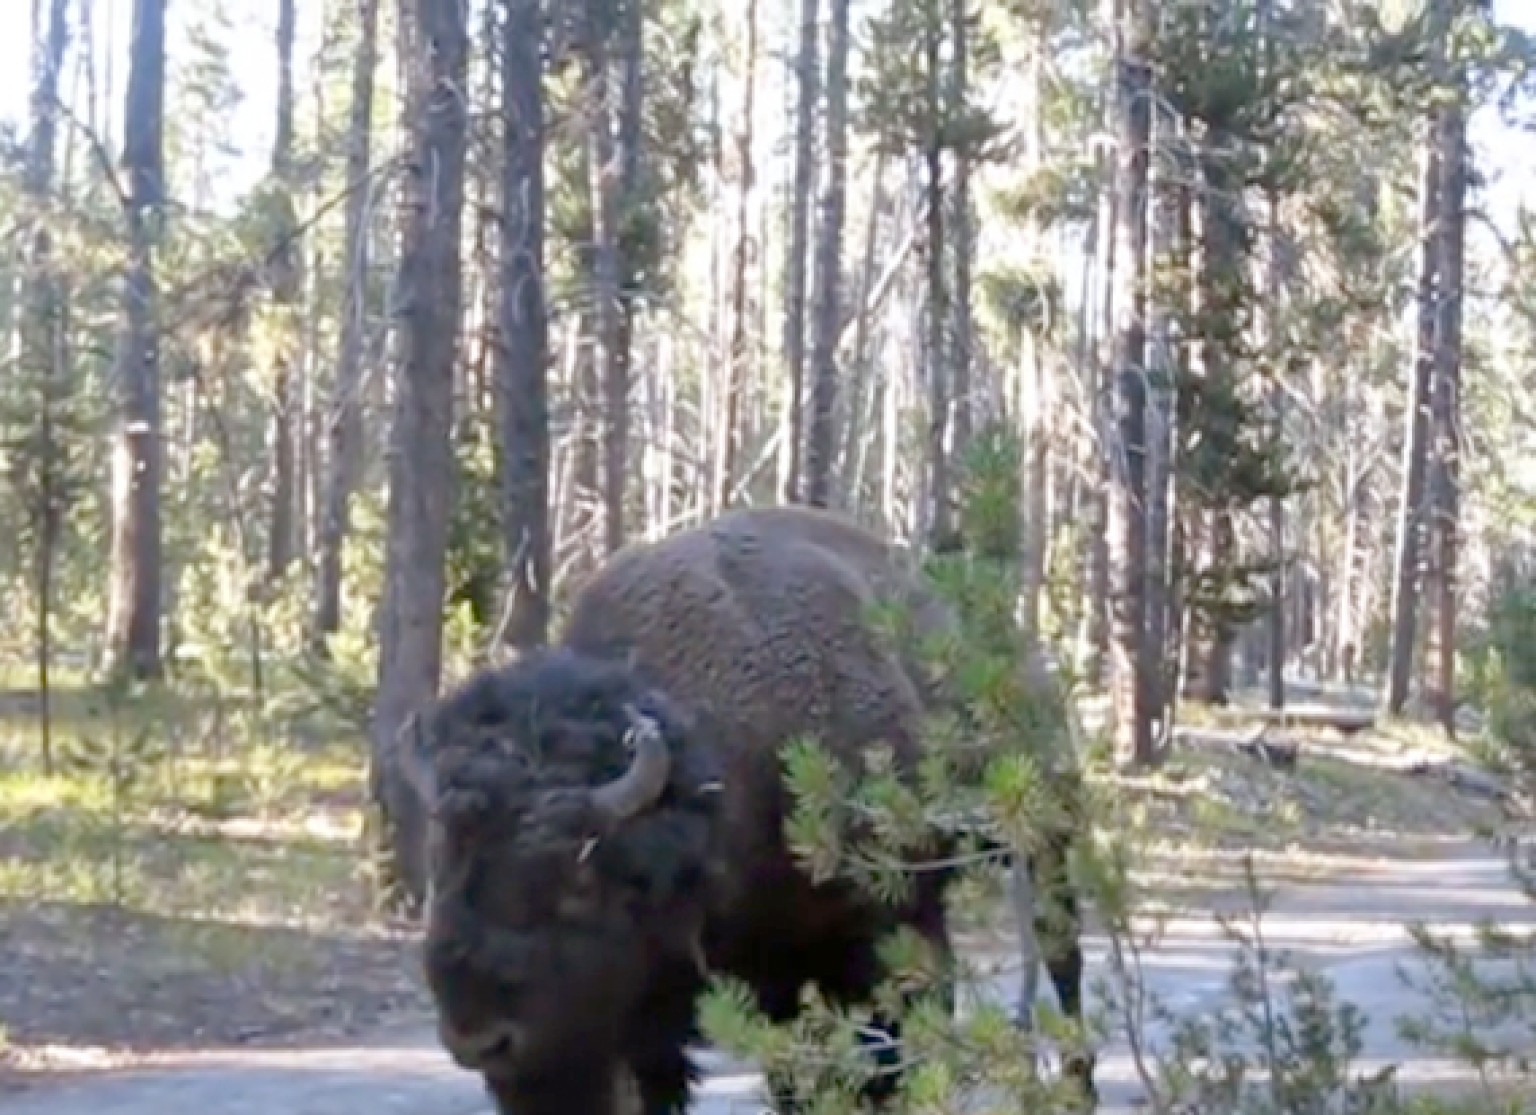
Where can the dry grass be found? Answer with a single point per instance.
(185, 876)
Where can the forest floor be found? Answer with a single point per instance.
(199, 936)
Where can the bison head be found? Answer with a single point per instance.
(568, 848)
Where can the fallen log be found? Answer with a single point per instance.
(1345, 721)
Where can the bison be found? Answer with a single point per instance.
(606, 816)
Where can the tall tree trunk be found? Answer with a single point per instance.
(1275, 342)
(1106, 220)
(961, 235)
(1446, 403)
(345, 426)
(133, 615)
(434, 44)
(807, 75)
(1410, 523)
(286, 285)
(940, 482)
(631, 213)
(1034, 387)
(523, 358)
(1127, 499)
(603, 186)
(737, 358)
(1222, 290)
(829, 249)
(1170, 256)
(42, 342)
(1277, 596)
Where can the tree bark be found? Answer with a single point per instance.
(829, 249)
(1170, 252)
(1127, 502)
(631, 208)
(961, 236)
(1097, 625)
(523, 359)
(603, 187)
(1410, 525)
(1277, 595)
(1446, 401)
(345, 427)
(42, 344)
(940, 482)
(807, 67)
(133, 615)
(285, 283)
(434, 47)
(737, 359)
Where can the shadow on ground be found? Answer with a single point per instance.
(95, 977)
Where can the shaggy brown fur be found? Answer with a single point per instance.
(755, 625)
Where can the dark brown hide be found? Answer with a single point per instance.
(556, 972)
(552, 922)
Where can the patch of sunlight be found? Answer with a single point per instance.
(24, 793)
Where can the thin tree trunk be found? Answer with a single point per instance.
(961, 238)
(737, 359)
(43, 338)
(1410, 528)
(807, 72)
(603, 185)
(1277, 602)
(631, 210)
(1127, 503)
(853, 451)
(1273, 296)
(133, 616)
(345, 427)
(1446, 402)
(829, 249)
(522, 360)
(1170, 252)
(939, 397)
(434, 44)
(285, 281)
(1098, 618)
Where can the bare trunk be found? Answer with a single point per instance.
(738, 358)
(434, 48)
(1170, 252)
(807, 69)
(1410, 529)
(631, 213)
(286, 285)
(43, 336)
(1444, 489)
(829, 249)
(1037, 471)
(940, 482)
(603, 184)
(1277, 593)
(133, 617)
(345, 424)
(1127, 502)
(522, 389)
(1098, 618)
(961, 237)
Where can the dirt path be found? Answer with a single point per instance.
(1352, 927)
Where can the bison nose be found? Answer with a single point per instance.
(497, 1041)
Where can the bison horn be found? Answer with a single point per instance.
(639, 786)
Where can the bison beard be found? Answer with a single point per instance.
(594, 848)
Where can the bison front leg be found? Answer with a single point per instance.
(657, 1045)
(1058, 926)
